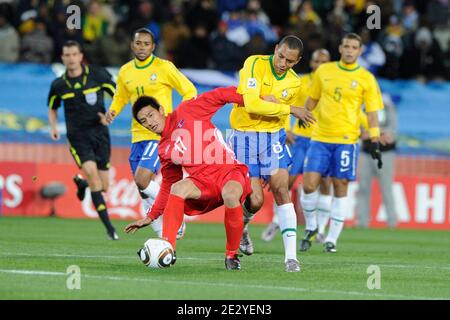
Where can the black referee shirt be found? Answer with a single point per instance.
(82, 96)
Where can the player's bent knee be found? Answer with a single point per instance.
(231, 196)
(181, 189)
(309, 187)
(256, 202)
(142, 182)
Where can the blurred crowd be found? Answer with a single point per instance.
(413, 42)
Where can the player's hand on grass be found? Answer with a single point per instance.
(110, 115)
(103, 119)
(305, 116)
(54, 134)
(132, 227)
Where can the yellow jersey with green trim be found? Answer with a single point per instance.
(154, 77)
(341, 89)
(257, 78)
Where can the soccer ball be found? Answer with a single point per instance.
(157, 254)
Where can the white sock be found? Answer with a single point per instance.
(152, 189)
(288, 227)
(323, 211)
(157, 226)
(151, 192)
(339, 207)
(275, 214)
(309, 206)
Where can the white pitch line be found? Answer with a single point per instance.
(216, 284)
(127, 257)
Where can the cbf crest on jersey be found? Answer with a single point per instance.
(153, 77)
(284, 94)
(251, 83)
(354, 84)
(91, 98)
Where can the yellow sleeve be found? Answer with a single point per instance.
(121, 96)
(180, 82)
(363, 121)
(372, 95)
(316, 86)
(287, 125)
(250, 80)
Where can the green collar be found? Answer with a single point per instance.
(347, 69)
(273, 70)
(144, 66)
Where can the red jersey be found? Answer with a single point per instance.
(190, 141)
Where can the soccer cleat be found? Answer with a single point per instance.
(112, 235)
(329, 247)
(246, 245)
(292, 265)
(320, 238)
(181, 231)
(305, 244)
(270, 232)
(232, 262)
(81, 186)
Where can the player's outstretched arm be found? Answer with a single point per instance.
(132, 227)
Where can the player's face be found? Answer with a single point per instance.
(71, 57)
(152, 119)
(317, 60)
(350, 49)
(142, 46)
(285, 58)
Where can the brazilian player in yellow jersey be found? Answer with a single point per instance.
(338, 91)
(271, 91)
(149, 75)
(300, 137)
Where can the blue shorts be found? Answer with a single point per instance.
(144, 154)
(262, 152)
(333, 159)
(299, 150)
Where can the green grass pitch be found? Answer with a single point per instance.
(36, 252)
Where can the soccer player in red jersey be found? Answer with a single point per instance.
(191, 143)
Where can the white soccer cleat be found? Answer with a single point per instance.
(181, 231)
(292, 265)
(246, 245)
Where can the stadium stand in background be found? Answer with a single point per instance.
(209, 40)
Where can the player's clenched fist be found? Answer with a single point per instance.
(54, 134)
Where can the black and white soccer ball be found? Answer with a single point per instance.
(157, 254)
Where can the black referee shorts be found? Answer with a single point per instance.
(91, 144)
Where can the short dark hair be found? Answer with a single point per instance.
(72, 43)
(144, 30)
(352, 36)
(142, 102)
(293, 43)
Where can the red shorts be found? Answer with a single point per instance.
(210, 181)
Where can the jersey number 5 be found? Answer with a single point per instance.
(337, 94)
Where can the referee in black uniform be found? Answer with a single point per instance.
(81, 89)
